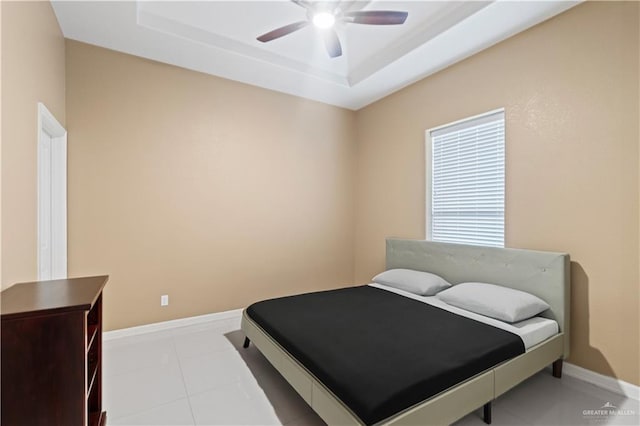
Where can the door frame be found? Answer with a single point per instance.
(58, 206)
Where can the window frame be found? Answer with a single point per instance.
(429, 170)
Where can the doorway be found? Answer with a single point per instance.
(52, 196)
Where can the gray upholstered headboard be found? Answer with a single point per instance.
(544, 274)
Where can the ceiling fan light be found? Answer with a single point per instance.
(324, 20)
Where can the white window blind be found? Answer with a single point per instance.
(467, 181)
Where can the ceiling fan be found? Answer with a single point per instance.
(324, 14)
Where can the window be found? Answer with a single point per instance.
(465, 181)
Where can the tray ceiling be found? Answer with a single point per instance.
(219, 38)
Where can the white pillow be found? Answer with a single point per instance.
(503, 303)
(416, 282)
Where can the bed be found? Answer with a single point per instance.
(354, 377)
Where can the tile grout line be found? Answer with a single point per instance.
(170, 338)
(524, 421)
(184, 382)
(155, 407)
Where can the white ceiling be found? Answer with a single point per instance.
(219, 38)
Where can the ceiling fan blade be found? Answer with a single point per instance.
(376, 17)
(282, 31)
(302, 3)
(332, 43)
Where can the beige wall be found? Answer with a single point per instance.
(569, 87)
(214, 192)
(33, 62)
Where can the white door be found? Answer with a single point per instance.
(52, 197)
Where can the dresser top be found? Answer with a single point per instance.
(49, 297)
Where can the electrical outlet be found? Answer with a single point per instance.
(164, 300)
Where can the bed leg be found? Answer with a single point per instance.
(246, 343)
(557, 368)
(486, 415)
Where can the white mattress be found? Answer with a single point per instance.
(532, 331)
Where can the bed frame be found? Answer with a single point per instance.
(543, 274)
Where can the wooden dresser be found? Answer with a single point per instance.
(51, 369)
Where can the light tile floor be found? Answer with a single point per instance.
(201, 375)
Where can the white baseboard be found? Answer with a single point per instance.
(609, 383)
(167, 325)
